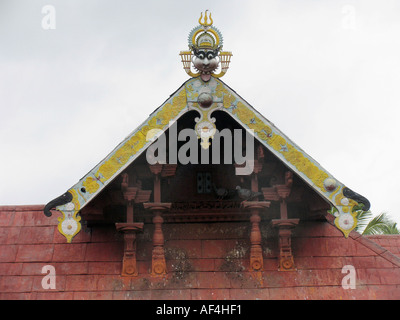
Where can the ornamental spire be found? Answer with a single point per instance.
(205, 53)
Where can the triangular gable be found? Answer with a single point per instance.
(225, 99)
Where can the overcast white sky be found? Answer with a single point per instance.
(326, 73)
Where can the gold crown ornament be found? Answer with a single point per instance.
(205, 51)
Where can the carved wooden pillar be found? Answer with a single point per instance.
(132, 194)
(158, 265)
(256, 257)
(129, 230)
(285, 227)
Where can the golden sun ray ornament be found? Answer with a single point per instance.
(205, 53)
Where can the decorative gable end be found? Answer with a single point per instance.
(205, 93)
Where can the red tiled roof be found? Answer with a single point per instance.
(208, 261)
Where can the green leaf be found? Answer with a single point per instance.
(363, 218)
(381, 224)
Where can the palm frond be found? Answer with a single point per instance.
(363, 218)
(391, 228)
(381, 224)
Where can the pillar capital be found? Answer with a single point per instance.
(157, 206)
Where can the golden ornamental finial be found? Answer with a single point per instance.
(205, 23)
(205, 51)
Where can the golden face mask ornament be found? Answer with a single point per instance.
(206, 55)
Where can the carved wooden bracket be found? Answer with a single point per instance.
(279, 192)
(158, 265)
(132, 191)
(165, 170)
(285, 226)
(256, 257)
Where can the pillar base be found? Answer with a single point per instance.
(129, 268)
(158, 264)
(256, 256)
(285, 227)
